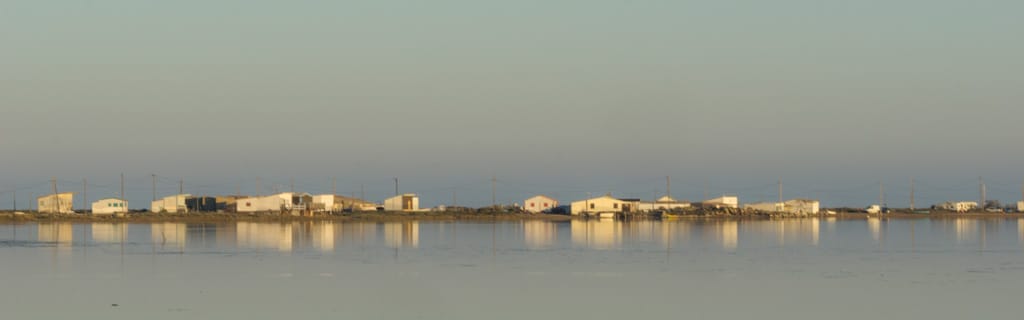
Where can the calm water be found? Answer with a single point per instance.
(802, 269)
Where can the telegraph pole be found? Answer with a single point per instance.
(494, 192)
(14, 197)
(881, 194)
(85, 195)
(257, 186)
(981, 189)
(362, 192)
(154, 187)
(122, 187)
(53, 185)
(396, 186)
(668, 187)
(911, 193)
(181, 186)
(780, 190)
(293, 185)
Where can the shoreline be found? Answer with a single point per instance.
(7, 217)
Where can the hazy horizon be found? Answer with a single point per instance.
(564, 99)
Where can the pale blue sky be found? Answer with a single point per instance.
(555, 97)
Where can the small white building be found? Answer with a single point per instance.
(336, 203)
(405, 202)
(765, 206)
(109, 206)
(959, 207)
(57, 203)
(664, 203)
(605, 203)
(539, 203)
(170, 204)
(1020, 206)
(284, 201)
(722, 202)
(802, 206)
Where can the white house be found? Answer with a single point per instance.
(802, 206)
(539, 203)
(405, 202)
(335, 203)
(605, 203)
(663, 203)
(284, 201)
(56, 203)
(170, 204)
(722, 202)
(1020, 206)
(109, 206)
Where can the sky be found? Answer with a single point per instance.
(564, 98)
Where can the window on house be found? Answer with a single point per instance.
(247, 204)
(532, 204)
(545, 205)
(591, 205)
(615, 205)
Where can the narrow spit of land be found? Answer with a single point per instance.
(212, 217)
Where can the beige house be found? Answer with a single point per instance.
(605, 203)
(539, 203)
(405, 202)
(336, 203)
(170, 204)
(795, 206)
(57, 203)
(109, 206)
(1020, 206)
(664, 203)
(722, 202)
(285, 201)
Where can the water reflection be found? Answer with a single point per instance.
(599, 234)
(728, 234)
(402, 234)
(539, 234)
(966, 229)
(109, 232)
(875, 225)
(169, 235)
(60, 234)
(321, 235)
(256, 235)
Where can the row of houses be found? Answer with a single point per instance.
(327, 203)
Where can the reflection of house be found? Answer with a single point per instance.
(169, 234)
(405, 202)
(597, 234)
(722, 202)
(109, 232)
(664, 203)
(729, 234)
(60, 233)
(58, 203)
(539, 203)
(605, 203)
(336, 203)
(539, 234)
(402, 234)
(170, 204)
(109, 206)
(322, 236)
(264, 235)
(286, 201)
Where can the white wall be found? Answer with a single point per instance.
(600, 204)
(539, 204)
(109, 206)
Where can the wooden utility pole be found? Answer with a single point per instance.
(14, 197)
(396, 186)
(494, 192)
(334, 186)
(668, 187)
(257, 186)
(122, 187)
(154, 187)
(881, 194)
(85, 195)
(362, 192)
(981, 190)
(780, 190)
(53, 185)
(181, 186)
(911, 193)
